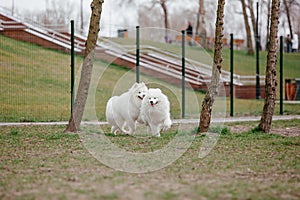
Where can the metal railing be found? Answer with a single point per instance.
(202, 68)
(37, 29)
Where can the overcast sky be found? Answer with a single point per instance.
(110, 22)
(21, 4)
(113, 19)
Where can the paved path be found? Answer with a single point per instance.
(176, 121)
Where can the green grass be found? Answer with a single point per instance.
(35, 83)
(42, 162)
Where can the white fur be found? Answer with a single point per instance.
(155, 111)
(124, 110)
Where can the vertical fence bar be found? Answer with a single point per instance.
(281, 75)
(137, 54)
(257, 55)
(183, 74)
(231, 75)
(72, 65)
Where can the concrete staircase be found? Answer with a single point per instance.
(160, 64)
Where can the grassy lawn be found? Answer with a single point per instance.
(42, 162)
(35, 82)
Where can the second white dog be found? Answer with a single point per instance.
(155, 111)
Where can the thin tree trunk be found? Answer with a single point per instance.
(166, 20)
(271, 81)
(164, 7)
(287, 10)
(252, 16)
(87, 67)
(268, 25)
(248, 30)
(81, 17)
(208, 101)
(198, 18)
(200, 24)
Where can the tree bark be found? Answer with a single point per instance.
(87, 67)
(200, 25)
(287, 10)
(198, 18)
(207, 104)
(248, 30)
(268, 25)
(166, 19)
(81, 17)
(252, 16)
(271, 81)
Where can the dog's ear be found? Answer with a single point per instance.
(142, 84)
(158, 90)
(134, 85)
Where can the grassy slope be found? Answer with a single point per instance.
(45, 163)
(35, 83)
(30, 77)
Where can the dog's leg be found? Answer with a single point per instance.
(167, 124)
(124, 130)
(132, 126)
(114, 129)
(149, 129)
(155, 130)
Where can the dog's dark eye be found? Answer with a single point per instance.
(139, 92)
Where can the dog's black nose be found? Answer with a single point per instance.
(151, 102)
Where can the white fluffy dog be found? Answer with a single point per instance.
(155, 111)
(125, 109)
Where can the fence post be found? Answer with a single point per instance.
(281, 75)
(231, 75)
(137, 54)
(72, 65)
(183, 74)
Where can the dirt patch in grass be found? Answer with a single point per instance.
(289, 128)
(42, 162)
(288, 131)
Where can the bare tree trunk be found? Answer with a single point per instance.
(164, 7)
(200, 24)
(208, 101)
(248, 30)
(87, 67)
(81, 16)
(268, 24)
(198, 18)
(271, 81)
(252, 16)
(12, 7)
(287, 10)
(166, 20)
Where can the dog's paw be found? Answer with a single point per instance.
(157, 135)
